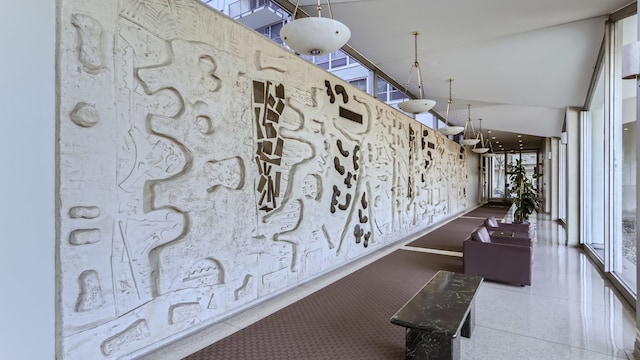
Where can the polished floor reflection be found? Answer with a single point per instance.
(569, 312)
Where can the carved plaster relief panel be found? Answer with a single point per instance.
(203, 168)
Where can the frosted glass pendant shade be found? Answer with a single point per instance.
(451, 130)
(416, 106)
(469, 142)
(315, 35)
(481, 150)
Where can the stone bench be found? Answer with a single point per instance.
(437, 314)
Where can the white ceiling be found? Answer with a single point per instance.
(520, 63)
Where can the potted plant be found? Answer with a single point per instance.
(526, 196)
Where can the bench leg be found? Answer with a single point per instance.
(423, 345)
(469, 321)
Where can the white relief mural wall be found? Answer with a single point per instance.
(203, 168)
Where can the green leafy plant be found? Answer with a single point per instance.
(526, 196)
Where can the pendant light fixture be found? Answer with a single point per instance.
(449, 129)
(489, 153)
(315, 35)
(480, 148)
(469, 136)
(416, 106)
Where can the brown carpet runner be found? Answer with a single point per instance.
(485, 211)
(451, 236)
(348, 319)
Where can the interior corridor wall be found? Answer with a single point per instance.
(203, 169)
(27, 185)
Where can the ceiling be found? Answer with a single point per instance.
(519, 63)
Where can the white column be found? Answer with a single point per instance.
(573, 176)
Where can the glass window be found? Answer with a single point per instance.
(272, 32)
(388, 93)
(275, 32)
(381, 92)
(322, 61)
(359, 83)
(338, 59)
(498, 171)
(609, 160)
(395, 94)
(593, 234)
(562, 180)
(624, 147)
(529, 161)
(427, 119)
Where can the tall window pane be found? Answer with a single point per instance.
(498, 170)
(595, 170)
(529, 161)
(624, 234)
(511, 161)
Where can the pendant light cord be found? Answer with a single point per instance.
(449, 103)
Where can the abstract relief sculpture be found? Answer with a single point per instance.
(90, 291)
(85, 115)
(347, 166)
(202, 169)
(268, 104)
(89, 41)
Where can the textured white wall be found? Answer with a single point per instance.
(27, 184)
(203, 168)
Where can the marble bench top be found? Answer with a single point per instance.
(441, 305)
(502, 233)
